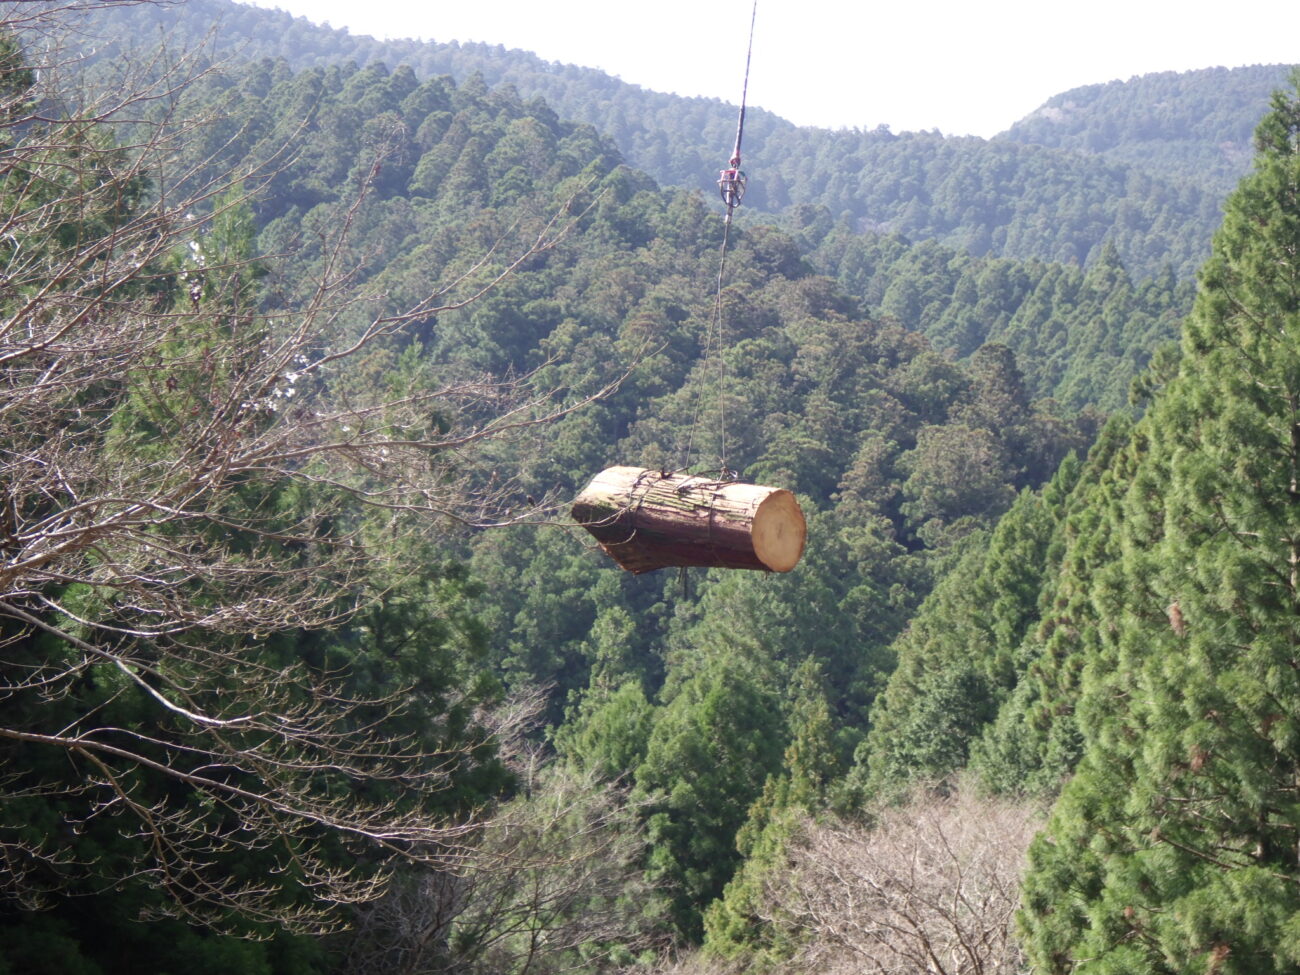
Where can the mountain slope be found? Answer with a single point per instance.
(999, 197)
(1194, 126)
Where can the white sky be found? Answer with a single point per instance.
(961, 67)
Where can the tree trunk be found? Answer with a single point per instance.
(647, 519)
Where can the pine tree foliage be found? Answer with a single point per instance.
(1034, 744)
(961, 657)
(1079, 334)
(711, 749)
(734, 926)
(1174, 848)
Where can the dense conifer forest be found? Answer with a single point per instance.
(305, 668)
(1145, 170)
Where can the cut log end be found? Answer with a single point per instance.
(779, 531)
(647, 519)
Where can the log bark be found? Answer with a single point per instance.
(649, 519)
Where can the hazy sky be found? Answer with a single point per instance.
(961, 67)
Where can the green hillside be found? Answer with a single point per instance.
(306, 668)
(1000, 197)
(273, 379)
(1190, 127)
(1137, 663)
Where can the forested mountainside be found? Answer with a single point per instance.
(1079, 336)
(307, 670)
(1189, 127)
(296, 408)
(1140, 658)
(998, 197)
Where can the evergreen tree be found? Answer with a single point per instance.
(1174, 847)
(733, 924)
(957, 660)
(712, 748)
(1034, 742)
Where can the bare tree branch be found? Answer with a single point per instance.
(929, 887)
(185, 473)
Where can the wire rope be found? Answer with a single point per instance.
(715, 337)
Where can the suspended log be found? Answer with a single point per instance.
(649, 519)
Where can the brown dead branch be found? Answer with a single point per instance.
(151, 417)
(930, 887)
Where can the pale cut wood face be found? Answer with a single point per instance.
(779, 532)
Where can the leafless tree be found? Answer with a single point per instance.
(929, 887)
(154, 425)
(555, 885)
(690, 963)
